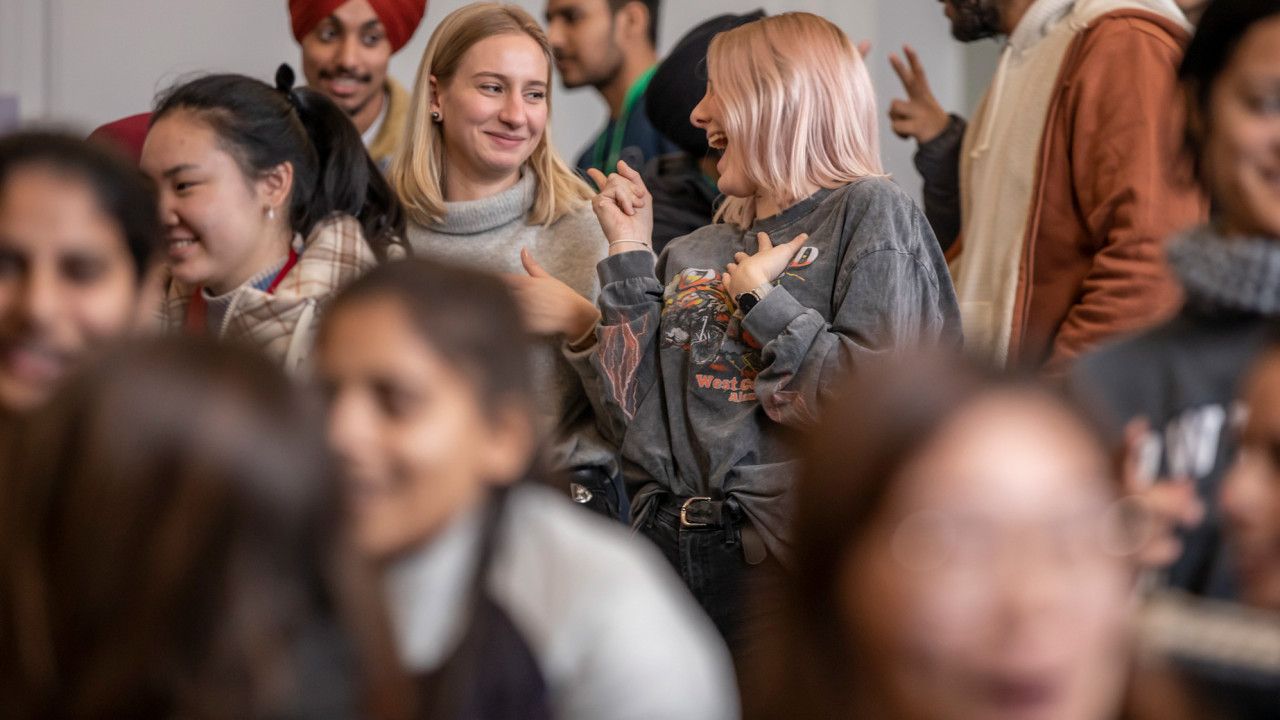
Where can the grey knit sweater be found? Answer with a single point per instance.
(488, 235)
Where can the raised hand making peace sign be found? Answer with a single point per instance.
(920, 116)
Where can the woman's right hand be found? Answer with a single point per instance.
(1166, 505)
(624, 208)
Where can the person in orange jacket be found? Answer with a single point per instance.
(1053, 204)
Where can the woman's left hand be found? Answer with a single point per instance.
(549, 306)
(749, 272)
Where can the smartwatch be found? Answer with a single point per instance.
(747, 301)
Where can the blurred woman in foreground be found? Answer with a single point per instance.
(171, 546)
(508, 602)
(77, 230)
(960, 554)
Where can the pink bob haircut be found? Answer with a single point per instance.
(797, 101)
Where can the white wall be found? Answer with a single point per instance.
(22, 54)
(85, 62)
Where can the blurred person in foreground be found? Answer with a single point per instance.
(1251, 488)
(1180, 380)
(78, 227)
(960, 555)
(1232, 650)
(172, 546)
(507, 601)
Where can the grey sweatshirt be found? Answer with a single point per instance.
(488, 235)
(699, 399)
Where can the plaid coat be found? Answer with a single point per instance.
(283, 324)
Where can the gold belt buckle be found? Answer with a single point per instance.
(684, 512)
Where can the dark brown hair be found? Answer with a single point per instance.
(467, 316)
(120, 190)
(171, 545)
(652, 6)
(1223, 26)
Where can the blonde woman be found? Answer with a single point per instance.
(484, 188)
(709, 353)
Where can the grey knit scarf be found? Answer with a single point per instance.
(1217, 273)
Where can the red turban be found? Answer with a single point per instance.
(399, 17)
(126, 134)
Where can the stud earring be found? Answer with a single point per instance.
(435, 116)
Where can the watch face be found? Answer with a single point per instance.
(747, 301)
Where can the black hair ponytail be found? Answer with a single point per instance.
(264, 127)
(347, 180)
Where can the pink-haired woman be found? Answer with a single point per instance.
(708, 355)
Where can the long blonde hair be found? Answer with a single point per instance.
(417, 171)
(798, 104)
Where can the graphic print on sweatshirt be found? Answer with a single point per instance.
(698, 318)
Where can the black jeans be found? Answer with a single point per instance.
(740, 598)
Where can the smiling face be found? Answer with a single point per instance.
(345, 56)
(995, 596)
(218, 234)
(708, 116)
(415, 440)
(1251, 491)
(67, 282)
(1242, 143)
(493, 111)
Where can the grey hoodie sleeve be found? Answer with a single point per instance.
(622, 366)
(890, 296)
(938, 162)
(582, 441)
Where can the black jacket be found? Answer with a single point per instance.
(684, 198)
(1184, 376)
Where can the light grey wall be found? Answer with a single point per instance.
(22, 54)
(85, 62)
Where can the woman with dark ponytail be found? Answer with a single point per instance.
(269, 203)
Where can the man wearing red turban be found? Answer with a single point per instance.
(346, 45)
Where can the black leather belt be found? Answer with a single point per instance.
(697, 512)
(707, 513)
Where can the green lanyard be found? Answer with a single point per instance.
(610, 164)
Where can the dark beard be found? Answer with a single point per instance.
(975, 20)
(607, 78)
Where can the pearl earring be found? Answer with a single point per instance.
(435, 116)
(271, 214)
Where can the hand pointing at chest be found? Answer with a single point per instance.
(749, 272)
